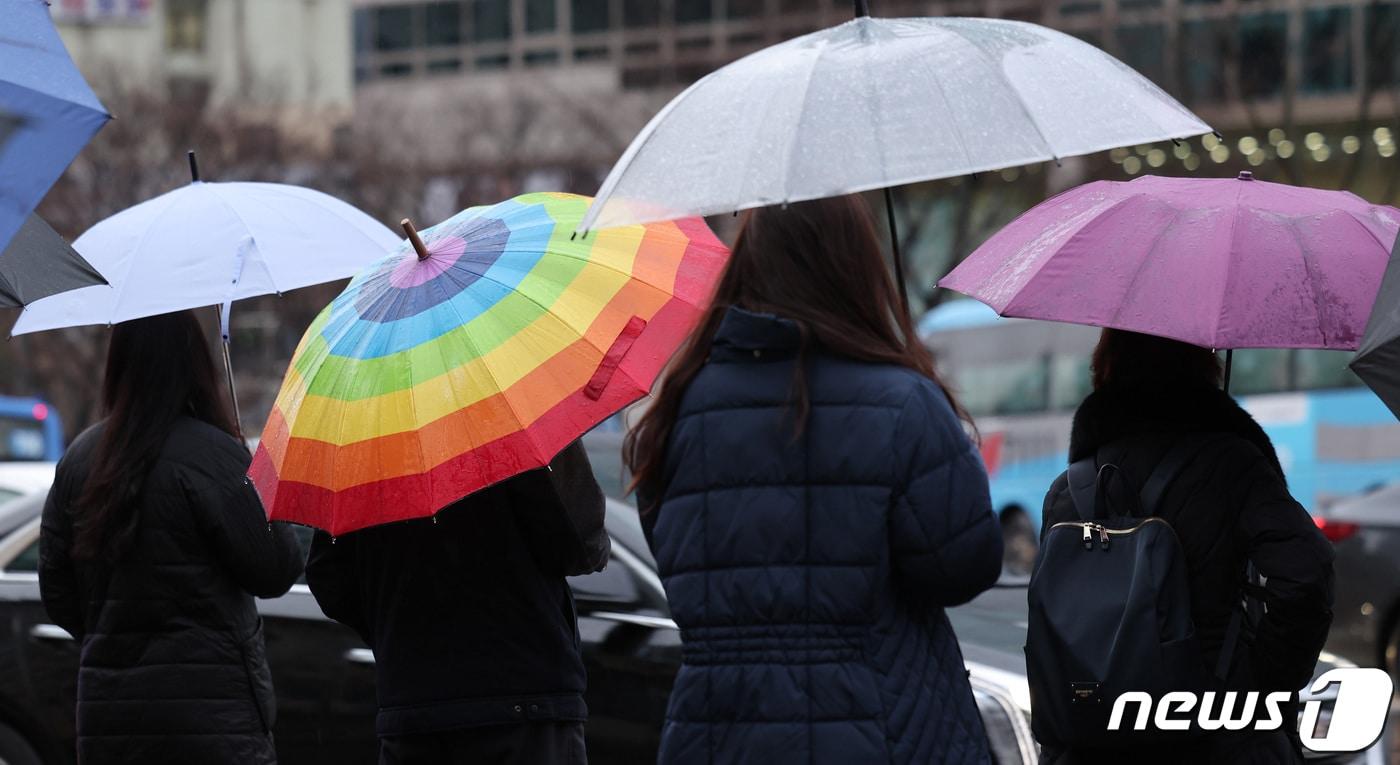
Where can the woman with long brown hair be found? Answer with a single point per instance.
(814, 504)
(153, 546)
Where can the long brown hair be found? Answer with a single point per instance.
(159, 369)
(817, 264)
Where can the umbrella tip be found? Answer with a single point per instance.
(194, 165)
(1246, 175)
(414, 239)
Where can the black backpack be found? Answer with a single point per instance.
(1110, 611)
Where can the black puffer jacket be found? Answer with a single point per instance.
(1229, 505)
(173, 667)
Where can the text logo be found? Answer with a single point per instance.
(1359, 709)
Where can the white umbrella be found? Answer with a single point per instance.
(209, 244)
(875, 103)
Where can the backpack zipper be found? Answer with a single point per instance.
(1104, 532)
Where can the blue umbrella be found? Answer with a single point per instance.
(47, 111)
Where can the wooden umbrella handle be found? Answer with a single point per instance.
(414, 239)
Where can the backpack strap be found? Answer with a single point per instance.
(1251, 593)
(1083, 476)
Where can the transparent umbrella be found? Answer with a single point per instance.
(875, 103)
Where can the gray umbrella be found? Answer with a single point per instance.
(38, 263)
(1377, 361)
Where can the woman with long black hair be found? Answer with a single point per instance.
(152, 549)
(814, 504)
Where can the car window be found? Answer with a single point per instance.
(26, 562)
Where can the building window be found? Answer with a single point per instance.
(640, 13)
(393, 29)
(185, 24)
(1204, 48)
(541, 58)
(396, 70)
(1134, 5)
(591, 54)
(743, 9)
(1263, 54)
(1383, 45)
(1327, 50)
(360, 30)
(442, 23)
(540, 16)
(591, 16)
(499, 61)
(691, 11)
(445, 66)
(1081, 7)
(1145, 49)
(490, 21)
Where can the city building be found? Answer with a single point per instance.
(290, 60)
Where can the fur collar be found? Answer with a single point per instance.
(1113, 412)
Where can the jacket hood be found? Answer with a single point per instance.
(1115, 411)
(744, 335)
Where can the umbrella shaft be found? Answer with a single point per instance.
(862, 8)
(232, 391)
(1229, 359)
(894, 249)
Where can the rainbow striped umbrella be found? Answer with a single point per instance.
(430, 378)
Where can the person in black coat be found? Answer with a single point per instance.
(471, 621)
(814, 505)
(152, 547)
(1229, 506)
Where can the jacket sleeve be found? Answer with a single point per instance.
(560, 511)
(330, 572)
(1296, 563)
(945, 540)
(264, 558)
(58, 580)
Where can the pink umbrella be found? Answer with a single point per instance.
(1217, 262)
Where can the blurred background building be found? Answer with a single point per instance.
(421, 108)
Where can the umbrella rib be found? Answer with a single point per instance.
(140, 244)
(1229, 268)
(1016, 94)
(801, 112)
(1142, 265)
(1306, 257)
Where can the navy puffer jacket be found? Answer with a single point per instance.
(809, 574)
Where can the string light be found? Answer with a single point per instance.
(1132, 165)
(1156, 158)
(1314, 141)
(1209, 142)
(1386, 149)
(1219, 154)
(1381, 136)
(1321, 153)
(1351, 144)
(1118, 155)
(1276, 136)
(1247, 145)
(1285, 149)
(1256, 157)
(1182, 150)
(1191, 162)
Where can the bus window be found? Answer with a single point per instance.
(1259, 371)
(22, 439)
(1069, 381)
(1323, 369)
(1006, 387)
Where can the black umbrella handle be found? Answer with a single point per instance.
(862, 8)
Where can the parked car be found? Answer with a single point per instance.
(324, 675)
(1365, 531)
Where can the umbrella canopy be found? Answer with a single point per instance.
(47, 111)
(428, 379)
(1377, 361)
(874, 103)
(1217, 262)
(38, 263)
(211, 244)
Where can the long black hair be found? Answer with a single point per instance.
(159, 369)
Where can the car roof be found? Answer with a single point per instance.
(26, 477)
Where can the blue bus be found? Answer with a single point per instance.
(30, 431)
(1021, 380)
